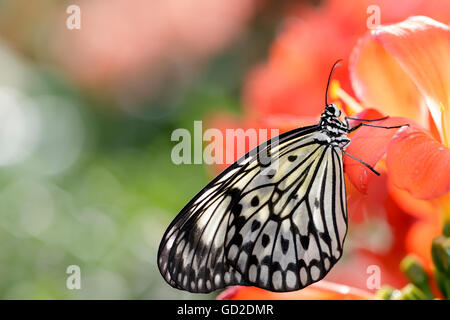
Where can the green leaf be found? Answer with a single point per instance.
(440, 251)
(385, 293)
(416, 274)
(410, 292)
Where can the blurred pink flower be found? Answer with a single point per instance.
(122, 43)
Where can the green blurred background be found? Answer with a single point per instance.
(85, 122)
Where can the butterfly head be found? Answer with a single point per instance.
(332, 126)
(332, 111)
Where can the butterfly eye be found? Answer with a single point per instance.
(334, 110)
(337, 112)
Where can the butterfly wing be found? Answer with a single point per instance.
(278, 226)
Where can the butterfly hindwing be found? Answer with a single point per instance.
(279, 226)
(295, 239)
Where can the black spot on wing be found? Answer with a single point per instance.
(265, 240)
(271, 173)
(237, 240)
(255, 225)
(240, 222)
(236, 209)
(284, 245)
(255, 201)
(304, 240)
(325, 237)
(234, 193)
(316, 203)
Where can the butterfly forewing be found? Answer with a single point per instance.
(279, 226)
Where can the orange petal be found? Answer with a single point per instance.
(368, 144)
(404, 68)
(416, 207)
(420, 237)
(322, 290)
(379, 82)
(418, 163)
(421, 46)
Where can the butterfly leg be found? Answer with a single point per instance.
(366, 164)
(374, 126)
(367, 120)
(368, 125)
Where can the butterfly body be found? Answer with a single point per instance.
(333, 127)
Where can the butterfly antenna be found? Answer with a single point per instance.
(329, 80)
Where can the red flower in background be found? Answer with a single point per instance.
(292, 80)
(400, 70)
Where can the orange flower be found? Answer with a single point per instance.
(312, 39)
(404, 70)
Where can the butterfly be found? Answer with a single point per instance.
(275, 219)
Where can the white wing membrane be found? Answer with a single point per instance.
(278, 226)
